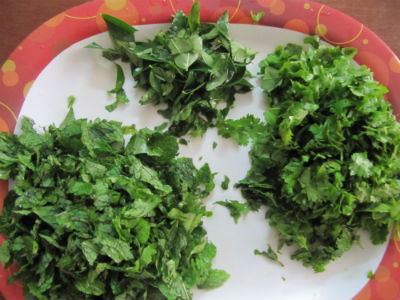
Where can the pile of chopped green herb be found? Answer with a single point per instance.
(91, 218)
(327, 162)
(193, 68)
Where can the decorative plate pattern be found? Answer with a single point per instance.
(26, 62)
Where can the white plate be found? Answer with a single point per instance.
(86, 75)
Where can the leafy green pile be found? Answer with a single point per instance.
(193, 68)
(91, 218)
(327, 161)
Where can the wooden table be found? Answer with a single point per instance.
(18, 18)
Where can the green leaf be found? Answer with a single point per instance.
(370, 274)
(270, 254)
(242, 54)
(91, 250)
(360, 165)
(271, 79)
(116, 249)
(95, 169)
(225, 183)
(90, 286)
(47, 213)
(215, 279)
(185, 60)
(119, 30)
(142, 230)
(194, 17)
(118, 90)
(180, 45)
(242, 130)
(141, 208)
(119, 82)
(256, 17)
(5, 256)
(189, 220)
(236, 209)
(161, 147)
(206, 178)
(147, 255)
(71, 101)
(148, 175)
(94, 45)
(175, 289)
(80, 188)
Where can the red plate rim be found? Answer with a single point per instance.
(39, 48)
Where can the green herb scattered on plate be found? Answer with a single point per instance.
(225, 183)
(236, 208)
(270, 254)
(370, 274)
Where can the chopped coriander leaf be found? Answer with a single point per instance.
(236, 209)
(91, 218)
(326, 164)
(270, 254)
(242, 130)
(71, 101)
(214, 145)
(194, 68)
(225, 183)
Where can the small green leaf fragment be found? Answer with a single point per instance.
(225, 183)
(256, 17)
(215, 279)
(370, 274)
(5, 255)
(270, 254)
(118, 90)
(236, 208)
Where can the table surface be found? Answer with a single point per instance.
(21, 17)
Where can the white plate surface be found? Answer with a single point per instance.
(86, 75)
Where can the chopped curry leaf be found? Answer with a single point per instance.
(193, 68)
(118, 90)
